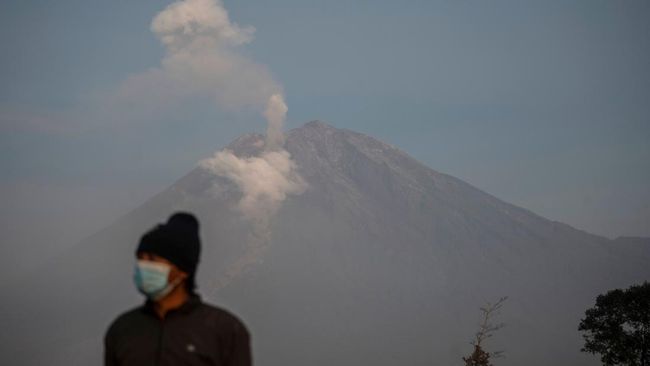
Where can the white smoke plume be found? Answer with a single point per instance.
(265, 181)
(201, 59)
(275, 113)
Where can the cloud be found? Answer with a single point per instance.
(265, 181)
(182, 23)
(201, 59)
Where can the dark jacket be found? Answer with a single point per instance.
(194, 334)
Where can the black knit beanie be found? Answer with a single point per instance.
(177, 240)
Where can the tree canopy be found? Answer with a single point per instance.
(618, 327)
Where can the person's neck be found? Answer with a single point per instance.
(175, 299)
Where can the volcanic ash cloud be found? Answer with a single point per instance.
(202, 59)
(265, 180)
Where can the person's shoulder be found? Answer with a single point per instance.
(124, 320)
(222, 316)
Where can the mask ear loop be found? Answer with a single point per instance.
(172, 285)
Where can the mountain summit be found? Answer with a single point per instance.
(380, 261)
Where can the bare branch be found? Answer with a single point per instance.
(479, 357)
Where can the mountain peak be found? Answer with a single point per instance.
(249, 144)
(315, 129)
(318, 124)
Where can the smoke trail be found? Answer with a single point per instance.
(265, 181)
(202, 59)
(275, 113)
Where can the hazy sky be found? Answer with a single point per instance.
(543, 104)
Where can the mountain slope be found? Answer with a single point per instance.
(381, 261)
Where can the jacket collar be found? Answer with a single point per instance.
(190, 304)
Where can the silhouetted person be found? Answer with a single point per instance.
(174, 327)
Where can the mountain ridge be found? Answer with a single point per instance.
(251, 144)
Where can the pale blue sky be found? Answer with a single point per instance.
(544, 104)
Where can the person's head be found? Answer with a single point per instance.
(168, 256)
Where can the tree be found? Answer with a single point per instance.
(480, 357)
(618, 327)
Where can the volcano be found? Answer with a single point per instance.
(381, 261)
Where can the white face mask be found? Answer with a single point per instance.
(151, 279)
